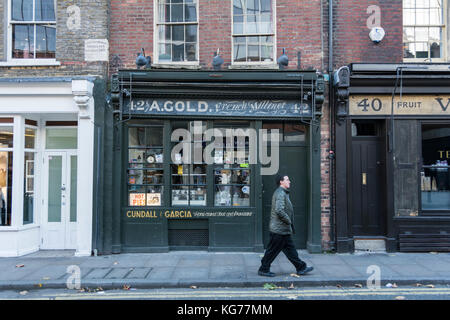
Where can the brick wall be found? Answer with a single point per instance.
(69, 43)
(298, 29)
(351, 34)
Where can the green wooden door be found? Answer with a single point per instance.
(293, 163)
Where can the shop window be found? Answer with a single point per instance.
(145, 173)
(424, 31)
(6, 174)
(176, 31)
(29, 161)
(231, 166)
(32, 25)
(288, 131)
(435, 177)
(189, 172)
(253, 31)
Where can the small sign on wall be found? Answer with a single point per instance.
(96, 50)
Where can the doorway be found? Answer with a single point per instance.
(367, 169)
(59, 219)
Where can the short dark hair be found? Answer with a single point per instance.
(279, 177)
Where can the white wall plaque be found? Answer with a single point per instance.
(96, 50)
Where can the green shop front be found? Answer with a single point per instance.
(195, 154)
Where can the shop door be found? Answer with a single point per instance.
(59, 200)
(368, 187)
(293, 163)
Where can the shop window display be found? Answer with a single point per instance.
(145, 165)
(435, 177)
(6, 162)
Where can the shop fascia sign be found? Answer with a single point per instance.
(241, 108)
(406, 105)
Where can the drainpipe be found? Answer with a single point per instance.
(331, 124)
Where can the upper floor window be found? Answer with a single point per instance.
(423, 30)
(253, 31)
(177, 30)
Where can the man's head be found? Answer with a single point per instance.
(283, 181)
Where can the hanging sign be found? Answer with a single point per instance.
(360, 105)
(241, 108)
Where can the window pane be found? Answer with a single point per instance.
(6, 172)
(436, 50)
(252, 6)
(154, 136)
(239, 52)
(180, 174)
(16, 10)
(253, 53)
(137, 196)
(408, 34)
(191, 52)
(44, 10)
(294, 132)
(237, 7)
(178, 33)
(223, 196)
(421, 34)
(190, 12)
(6, 137)
(45, 41)
(422, 16)
(177, 13)
(436, 16)
(26, 9)
(30, 136)
(197, 196)
(180, 195)
(421, 50)
(238, 28)
(409, 17)
(61, 138)
(266, 6)
(165, 52)
(178, 52)
(164, 12)
(408, 3)
(191, 33)
(435, 178)
(73, 188)
(23, 41)
(136, 137)
(251, 26)
(54, 188)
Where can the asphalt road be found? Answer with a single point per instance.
(269, 293)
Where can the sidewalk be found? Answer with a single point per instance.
(48, 269)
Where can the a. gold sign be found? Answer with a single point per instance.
(408, 105)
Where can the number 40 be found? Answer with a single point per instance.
(376, 104)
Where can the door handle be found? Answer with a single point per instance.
(364, 178)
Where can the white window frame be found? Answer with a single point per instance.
(30, 61)
(273, 34)
(443, 26)
(156, 24)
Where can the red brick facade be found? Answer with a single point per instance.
(351, 33)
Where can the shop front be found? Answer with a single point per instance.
(392, 165)
(196, 154)
(46, 164)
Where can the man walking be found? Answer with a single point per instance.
(281, 228)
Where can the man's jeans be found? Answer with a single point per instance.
(278, 243)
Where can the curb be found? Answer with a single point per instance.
(185, 284)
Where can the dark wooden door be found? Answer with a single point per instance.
(368, 206)
(293, 163)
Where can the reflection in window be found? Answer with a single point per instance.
(177, 27)
(253, 31)
(423, 27)
(28, 197)
(435, 177)
(288, 131)
(6, 172)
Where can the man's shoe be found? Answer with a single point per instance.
(305, 271)
(266, 274)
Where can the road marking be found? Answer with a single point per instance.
(241, 294)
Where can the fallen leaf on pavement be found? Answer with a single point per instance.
(418, 285)
(339, 286)
(291, 286)
(400, 298)
(291, 297)
(269, 286)
(46, 278)
(295, 275)
(23, 292)
(394, 285)
(39, 285)
(126, 287)
(20, 265)
(429, 286)
(193, 287)
(433, 252)
(358, 285)
(115, 263)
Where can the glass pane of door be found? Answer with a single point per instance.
(54, 188)
(73, 189)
